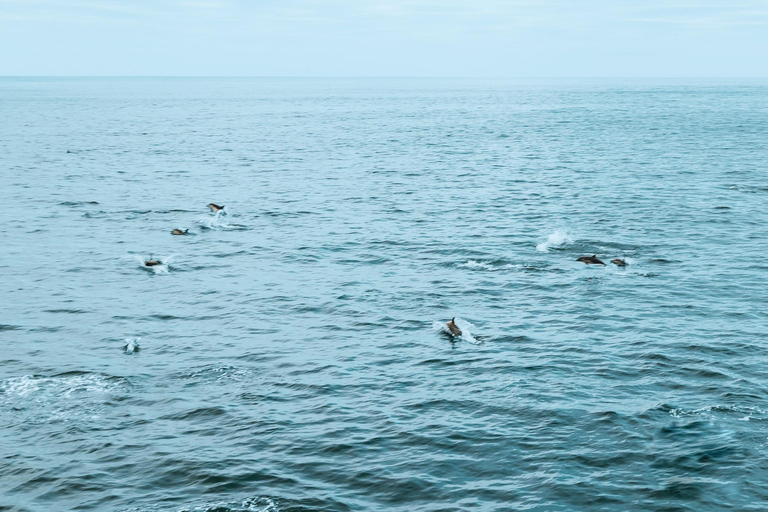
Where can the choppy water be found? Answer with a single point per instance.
(291, 356)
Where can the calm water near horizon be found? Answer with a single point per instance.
(292, 355)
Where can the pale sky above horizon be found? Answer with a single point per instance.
(512, 38)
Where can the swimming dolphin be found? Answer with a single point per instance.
(451, 324)
(152, 263)
(619, 262)
(590, 260)
(179, 232)
(215, 207)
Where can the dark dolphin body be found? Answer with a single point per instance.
(152, 263)
(619, 262)
(451, 324)
(179, 232)
(215, 207)
(591, 260)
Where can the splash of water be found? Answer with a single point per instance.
(215, 222)
(131, 345)
(557, 239)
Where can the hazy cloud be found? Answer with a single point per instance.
(445, 37)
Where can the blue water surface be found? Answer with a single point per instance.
(292, 355)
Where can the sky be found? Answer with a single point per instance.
(461, 38)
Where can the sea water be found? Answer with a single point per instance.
(289, 354)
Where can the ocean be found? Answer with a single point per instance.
(289, 353)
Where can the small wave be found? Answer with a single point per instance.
(556, 240)
(287, 214)
(77, 203)
(465, 326)
(196, 414)
(94, 215)
(750, 189)
(217, 374)
(662, 260)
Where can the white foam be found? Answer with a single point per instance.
(131, 345)
(60, 387)
(62, 398)
(164, 266)
(214, 222)
(259, 504)
(708, 410)
(484, 265)
(20, 386)
(557, 239)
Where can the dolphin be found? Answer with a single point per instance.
(619, 262)
(179, 232)
(215, 207)
(152, 263)
(590, 260)
(452, 327)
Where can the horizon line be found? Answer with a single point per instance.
(450, 77)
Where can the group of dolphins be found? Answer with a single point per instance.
(592, 260)
(587, 260)
(151, 262)
(451, 324)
